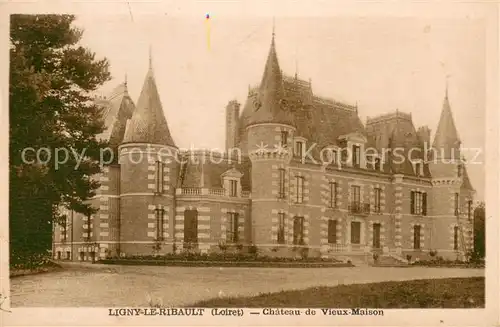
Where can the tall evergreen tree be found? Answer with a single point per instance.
(51, 81)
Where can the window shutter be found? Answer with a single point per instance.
(424, 204)
(412, 202)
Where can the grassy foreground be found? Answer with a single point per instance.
(426, 293)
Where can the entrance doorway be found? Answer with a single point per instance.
(355, 232)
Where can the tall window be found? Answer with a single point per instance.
(160, 214)
(299, 149)
(333, 157)
(333, 195)
(90, 228)
(355, 232)
(300, 189)
(284, 138)
(459, 171)
(281, 193)
(332, 231)
(281, 228)
(416, 237)
(64, 234)
(233, 232)
(418, 204)
(378, 195)
(376, 235)
(424, 204)
(356, 195)
(298, 230)
(356, 155)
(457, 203)
(455, 238)
(159, 177)
(191, 226)
(233, 187)
(469, 209)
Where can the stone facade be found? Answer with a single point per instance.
(276, 192)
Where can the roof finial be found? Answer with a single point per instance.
(273, 28)
(125, 79)
(150, 58)
(296, 63)
(446, 90)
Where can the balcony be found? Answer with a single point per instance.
(190, 191)
(359, 208)
(219, 192)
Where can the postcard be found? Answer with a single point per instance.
(249, 163)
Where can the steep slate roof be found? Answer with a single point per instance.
(117, 108)
(395, 131)
(148, 123)
(318, 119)
(195, 173)
(268, 104)
(446, 140)
(322, 121)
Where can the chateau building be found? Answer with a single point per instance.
(301, 173)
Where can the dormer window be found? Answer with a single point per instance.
(231, 181)
(329, 156)
(376, 164)
(298, 149)
(354, 144)
(233, 187)
(334, 156)
(418, 168)
(356, 156)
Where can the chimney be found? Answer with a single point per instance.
(232, 118)
(424, 134)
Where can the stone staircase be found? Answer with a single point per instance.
(366, 259)
(389, 260)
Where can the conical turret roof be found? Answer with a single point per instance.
(269, 106)
(148, 123)
(446, 140)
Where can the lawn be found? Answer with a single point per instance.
(425, 293)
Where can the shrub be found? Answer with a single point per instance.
(222, 246)
(375, 257)
(252, 249)
(408, 257)
(304, 253)
(433, 253)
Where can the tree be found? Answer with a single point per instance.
(480, 231)
(52, 79)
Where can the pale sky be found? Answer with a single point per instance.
(383, 64)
